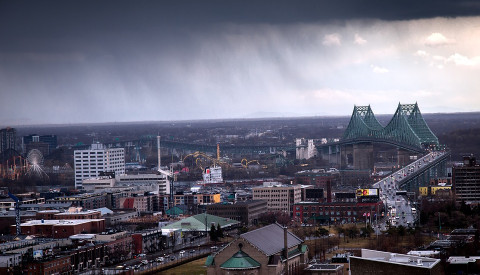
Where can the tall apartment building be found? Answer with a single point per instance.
(89, 163)
(466, 180)
(279, 197)
(7, 139)
(46, 144)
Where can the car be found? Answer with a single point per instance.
(214, 247)
(142, 255)
(172, 258)
(159, 259)
(145, 262)
(192, 251)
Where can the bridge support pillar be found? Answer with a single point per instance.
(346, 156)
(363, 156)
(403, 157)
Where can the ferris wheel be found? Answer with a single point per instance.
(35, 161)
(35, 157)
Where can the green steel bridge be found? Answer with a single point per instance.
(406, 128)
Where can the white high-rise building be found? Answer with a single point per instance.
(89, 163)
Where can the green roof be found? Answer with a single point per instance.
(210, 260)
(174, 211)
(240, 260)
(197, 223)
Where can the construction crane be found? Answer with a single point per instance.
(17, 212)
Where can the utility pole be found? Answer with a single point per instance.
(439, 224)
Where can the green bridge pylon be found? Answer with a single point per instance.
(407, 126)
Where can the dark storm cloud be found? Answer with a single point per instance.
(82, 61)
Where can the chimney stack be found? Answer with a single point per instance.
(158, 152)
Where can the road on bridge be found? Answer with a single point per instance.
(401, 211)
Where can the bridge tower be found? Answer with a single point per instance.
(407, 131)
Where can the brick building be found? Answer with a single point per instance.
(60, 228)
(50, 265)
(345, 212)
(246, 212)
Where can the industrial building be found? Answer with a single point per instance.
(89, 163)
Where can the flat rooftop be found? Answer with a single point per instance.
(58, 222)
(395, 258)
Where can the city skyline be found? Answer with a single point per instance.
(122, 61)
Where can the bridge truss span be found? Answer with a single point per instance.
(407, 126)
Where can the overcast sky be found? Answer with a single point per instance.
(112, 61)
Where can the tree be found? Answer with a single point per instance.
(322, 232)
(213, 233)
(219, 231)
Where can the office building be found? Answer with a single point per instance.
(89, 163)
(246, 212)
(280, 198)
(7, 139)
(466, 181)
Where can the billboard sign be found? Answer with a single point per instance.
(367, 192)
(37, 254)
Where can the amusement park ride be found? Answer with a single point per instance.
(17, 166)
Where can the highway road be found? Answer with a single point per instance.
(400, 210)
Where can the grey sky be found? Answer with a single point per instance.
(72, 62)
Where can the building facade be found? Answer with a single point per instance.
(7, 139)
(89, 163)
(337, 212)
(466, 181)
(60, 228)
(246, 212)
(279, 198)
(46, 144)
